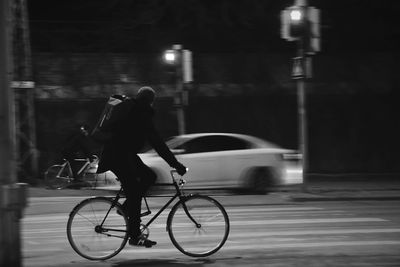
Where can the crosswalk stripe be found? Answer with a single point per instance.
(47, 218)
(230, 247)
(283, 221)
(291, 221)
(233, 234)
(258, 209)
(308, 221)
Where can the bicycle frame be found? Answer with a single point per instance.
(179, 194)
(84, 167)
(62, 169)
(66, 164)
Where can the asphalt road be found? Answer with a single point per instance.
(280, 233)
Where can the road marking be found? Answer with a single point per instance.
(313, 244)
(318, 232)
(307, 221)
(49, 230)
(229, 210)
(228, 247)
(47, 249)
(258, 209)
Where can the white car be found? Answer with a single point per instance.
(226, 160)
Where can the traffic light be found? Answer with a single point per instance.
(298, 23)
(294, 23)
(170, 56)
(301, 23)
(181, 60)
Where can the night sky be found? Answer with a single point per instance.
(205, 25)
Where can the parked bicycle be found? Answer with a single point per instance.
(60, 176)
(197, 225)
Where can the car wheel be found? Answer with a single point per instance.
(260, 180)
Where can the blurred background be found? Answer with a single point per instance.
(78, 53)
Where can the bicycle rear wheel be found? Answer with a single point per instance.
(198, 226)
(95, 230)
(57, 177)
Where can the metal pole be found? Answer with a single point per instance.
(302, 113)
(24, 93)
(10, 247)
(179, 90)
(180, 110)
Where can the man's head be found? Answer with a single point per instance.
(146, 94)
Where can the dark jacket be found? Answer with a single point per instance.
(130, 137)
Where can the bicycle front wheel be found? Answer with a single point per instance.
(57, 177)
(198, 226)
(96, 230)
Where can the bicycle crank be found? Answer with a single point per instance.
(145, 231)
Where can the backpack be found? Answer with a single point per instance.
(115, 111)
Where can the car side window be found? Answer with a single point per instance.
(213, 144)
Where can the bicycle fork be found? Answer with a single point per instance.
(185, 208)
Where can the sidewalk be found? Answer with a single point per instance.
(312, 191)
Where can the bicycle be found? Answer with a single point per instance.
(60, 176)
(197, 225)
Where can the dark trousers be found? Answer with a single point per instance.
(135, 178)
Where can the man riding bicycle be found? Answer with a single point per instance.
(120, 156)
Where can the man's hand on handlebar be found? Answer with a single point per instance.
(180, 169)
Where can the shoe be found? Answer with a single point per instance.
(142, 242)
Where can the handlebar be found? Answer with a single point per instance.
(181, 181)
(173, 171)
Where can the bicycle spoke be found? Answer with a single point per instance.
(193, 230)
(91, 206)
(92, 240)
(86, 218)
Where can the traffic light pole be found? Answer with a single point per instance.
(179, 95)
(301, 23)
(302, 116)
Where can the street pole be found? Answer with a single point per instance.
(179, 91)
(9, 234)
(12, 194)
(302, 117)
(301, 23)
(180, 106)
